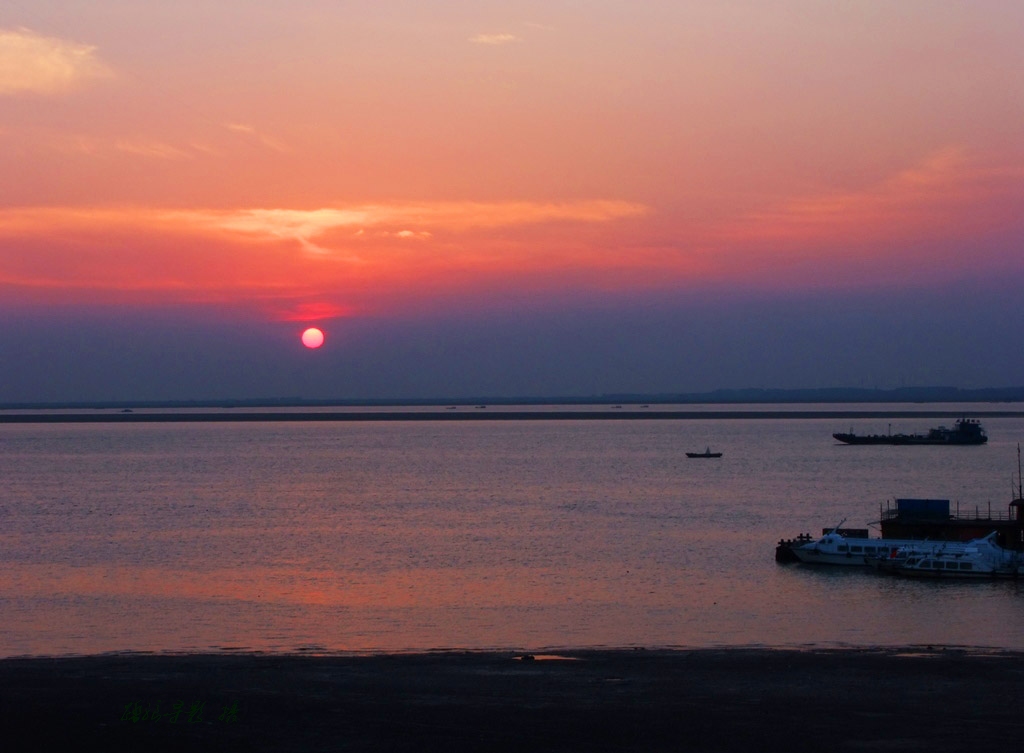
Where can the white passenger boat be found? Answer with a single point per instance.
(980, 558)
(835, 548)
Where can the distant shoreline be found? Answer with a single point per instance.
(734, 397)
(242, 416)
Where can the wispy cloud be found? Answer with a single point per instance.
(310, 311)
(148, 147)
(357, 256)
(32, 63)
(255, 135)
(300, 226)
(306, 226)
(922, 193)
(154, 149)
(494, 39)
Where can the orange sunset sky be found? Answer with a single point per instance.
(509, 198)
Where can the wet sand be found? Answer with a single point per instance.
(934, 699)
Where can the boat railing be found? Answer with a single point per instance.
(978, 513)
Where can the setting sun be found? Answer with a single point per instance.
(313, 338)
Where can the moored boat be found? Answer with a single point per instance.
(980, 558)
(852, 548)
(918, 526)
(938, 519)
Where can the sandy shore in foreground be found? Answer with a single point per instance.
(940, 699)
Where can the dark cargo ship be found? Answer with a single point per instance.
(965, 431)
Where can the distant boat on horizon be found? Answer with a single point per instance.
(965, 431)
(706, 454)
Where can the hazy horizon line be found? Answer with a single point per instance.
(923, 394)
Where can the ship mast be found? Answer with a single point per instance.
(1018, 505)
(1020, 482)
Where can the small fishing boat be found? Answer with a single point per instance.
(706, 454)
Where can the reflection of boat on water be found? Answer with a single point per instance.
(706, 454)
(965, 431)
(980, 558)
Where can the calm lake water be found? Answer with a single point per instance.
(292, 536)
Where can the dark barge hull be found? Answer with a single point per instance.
(966, 431)
(905, 439)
